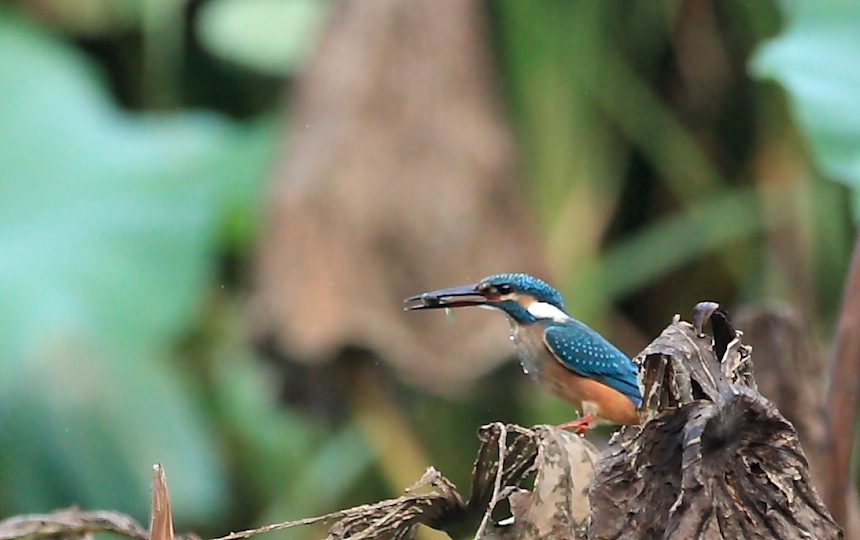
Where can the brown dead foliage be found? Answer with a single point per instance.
(712, 459)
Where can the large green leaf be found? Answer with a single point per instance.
(271, 36)
(816, 59)
(108, 224)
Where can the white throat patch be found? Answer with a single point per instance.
(543, 310)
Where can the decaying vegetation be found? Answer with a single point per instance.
(712, 459)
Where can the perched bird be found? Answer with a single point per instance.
(561, 353)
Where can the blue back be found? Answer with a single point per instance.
(584, 351)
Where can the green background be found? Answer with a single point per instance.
(136, 142)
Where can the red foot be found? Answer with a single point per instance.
(580, 425)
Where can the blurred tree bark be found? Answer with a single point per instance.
(842, 396)
(399, 175)
(791, 371)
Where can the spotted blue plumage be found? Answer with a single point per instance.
(524, 284)
(587, 353)
(574, 344)
(561, 353)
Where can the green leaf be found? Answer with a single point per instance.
(81, 429)
(816, 59)
(108, 227)
(272, 36)
(275, 441)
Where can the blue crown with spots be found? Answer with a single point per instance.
(524, 283)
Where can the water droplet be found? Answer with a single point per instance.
(449, 315)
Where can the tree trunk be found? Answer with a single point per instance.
(400, 173)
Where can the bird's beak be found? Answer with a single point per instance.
(466, 295)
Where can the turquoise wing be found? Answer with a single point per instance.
(587, 353)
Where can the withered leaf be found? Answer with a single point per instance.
(712, 459)
(557, 506)
(160, 516)
(715, 459)
(562, 464)
(70, 523)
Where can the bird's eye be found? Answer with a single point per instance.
(505, 288)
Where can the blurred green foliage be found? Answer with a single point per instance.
(272, 36)
(816, 60)
(111, 223)
(659, 173)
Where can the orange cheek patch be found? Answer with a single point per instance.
(525, 300)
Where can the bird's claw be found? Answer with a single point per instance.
(579, 426)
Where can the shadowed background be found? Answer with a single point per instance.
(211, 210)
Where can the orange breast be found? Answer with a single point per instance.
(587, 395)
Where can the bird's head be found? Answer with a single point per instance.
(524, 298)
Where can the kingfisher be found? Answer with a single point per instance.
(563, 354)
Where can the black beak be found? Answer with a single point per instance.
(466, 295)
